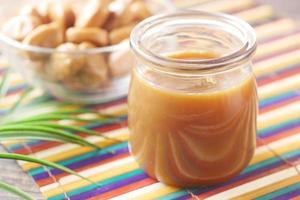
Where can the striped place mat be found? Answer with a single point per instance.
(274, 172)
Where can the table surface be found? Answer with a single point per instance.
(13, 174)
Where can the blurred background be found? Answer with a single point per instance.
(289, 8)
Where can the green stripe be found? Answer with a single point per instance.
(249, 169)
(269, 100)
(91, 154)
(93, 186)
(179, 193)
(272, 160)
(277, 126)
(173, 195)
(38, 170)
(280, 192)
(101, 122)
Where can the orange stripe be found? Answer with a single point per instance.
(110, 104)
(278, 105)
(282, 135)
(296, 198)
(47, 144)
(125, 189)
(277, 77)
(248, 179)
(49, 180)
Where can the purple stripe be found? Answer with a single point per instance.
(259, 23)
(279, 72)
(2, 70)
(288, 195)
(274, 54)
(242, 176)
(102, 125)
(82, 163)
(130, 180)
(235, 11)
(275, 131)
(278, 99)
(16, 89)
(280, 36)
(96, 106)
(109, 187)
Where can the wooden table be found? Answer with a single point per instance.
(11, 172)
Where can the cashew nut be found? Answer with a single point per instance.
(94, 35)
(135, 12)
(94, 14)
(46, 35)
(20, 26)
(119, 34)
(62, 13)
(64, 65)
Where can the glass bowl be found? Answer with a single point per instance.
(36, 64)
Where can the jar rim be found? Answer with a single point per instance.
(244, 52)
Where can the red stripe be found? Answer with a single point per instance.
(280, 37)
(275, 53)
(296, 198)
(284, 35)
(109, 104)
(49, 180)
(279, 76)
(125, 189)
(243, 181)
(238, 10)
(281, 135)
(46, 145)
(279, 104)
(149, 181)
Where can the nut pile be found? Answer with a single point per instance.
(98, 23)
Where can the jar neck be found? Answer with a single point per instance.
(232, 39)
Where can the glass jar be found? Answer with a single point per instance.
(192, 99)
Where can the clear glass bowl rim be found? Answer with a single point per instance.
(167, 5)
(246, 50)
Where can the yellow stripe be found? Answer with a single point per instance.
(81, 150)
(279, 62)
(259, 156)
(75, 152)
(293, 145)
(96, 178)
(278, 45)
(265, 120)
(189, 3)
(291, 111)
(269, 188)
(280, 149)
(256, 14)
(275, 28)
(121, 109)
(262, 32)
(164, 190)
(8, 143)
(281, 86)
(3, 62)
(8, 101)
(224, 5)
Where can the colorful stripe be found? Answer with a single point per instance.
(270, 175)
